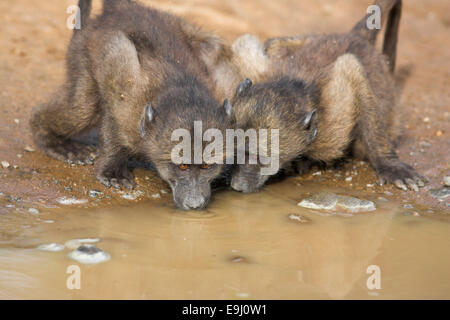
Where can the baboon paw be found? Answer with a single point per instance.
(401, 175)
(73, 153)
(117, 181)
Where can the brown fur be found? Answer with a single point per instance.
(356, 104)
(129, 60)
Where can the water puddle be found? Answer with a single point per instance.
(258, 246)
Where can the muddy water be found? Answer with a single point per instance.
(243, 247)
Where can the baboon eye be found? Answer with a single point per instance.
(184, 167)
(205, 166)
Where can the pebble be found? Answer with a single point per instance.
(440, 194)
(408, 206)
(132, 195)
(299, 218)
(238, 259)
(95, 194)
(52, 247)
(70, 201)
(332, 202)
(318, 173)
(348, 179)
(76, 243)
(29, 149)
(425, 144)
(163, 191)
(89, 254)
(447, 181)
(33, 211)
(156, 196)
(5, 164)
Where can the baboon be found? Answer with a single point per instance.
(329, 95)
(136, 74)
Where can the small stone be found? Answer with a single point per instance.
(163, 191)
(408, 206)
(156, 196)
(51, 247)
(416, 214)
(5, 164)
(426, 119)
(33, 211)
(440, 194)
(68, 188)
(132, 195)
(238, 259)
(71, 201)
(29, 149)
(425, 144)
(447, 181)
(19, 156)
(332, 202)
(348, 179)
(95, 194)
(299, 218)
(438, 133)
(16, 121)
(318, 173)
(89, 254)
(75, 243)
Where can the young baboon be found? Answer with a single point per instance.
(328, 95)
(137, 74)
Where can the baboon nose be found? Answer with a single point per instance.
(194, 203)
(238, 185)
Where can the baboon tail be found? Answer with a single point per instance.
(85, 11)
(391, 10)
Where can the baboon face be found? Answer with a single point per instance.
(247, 178)
(285, 106)
(160, 129)
(191, 184)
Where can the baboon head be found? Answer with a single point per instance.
(176, 135)
(285, 106)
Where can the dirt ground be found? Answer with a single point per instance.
(34, 39)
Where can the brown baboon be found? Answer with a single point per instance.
(137, 74)
(328, 95)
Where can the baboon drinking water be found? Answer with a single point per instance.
(137, 74)
(328, 95)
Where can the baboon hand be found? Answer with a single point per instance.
(116, 178)
(401, 175)
(72, 152)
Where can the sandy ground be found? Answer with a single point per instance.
(34, 39)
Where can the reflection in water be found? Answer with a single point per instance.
(244, 246)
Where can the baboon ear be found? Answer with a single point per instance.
(228, 107)
(311, 125)
(147, 118)
(244, 86)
